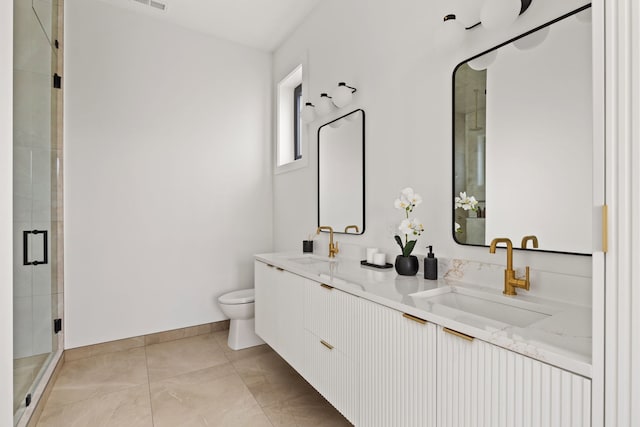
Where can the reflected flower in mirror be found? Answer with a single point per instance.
(466, 202)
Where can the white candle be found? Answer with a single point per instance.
(379, 259)
(370, 253)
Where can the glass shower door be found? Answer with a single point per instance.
(36, 218)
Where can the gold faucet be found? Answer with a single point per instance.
(348, 227)
(532, 238)
(333, 248)
(511, 282)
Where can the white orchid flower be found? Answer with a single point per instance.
(401, 204)
(411, 227)
(465, 202)
(473, 203)
(415, 200)
(407, 192)
(408, 200)
(458, 228)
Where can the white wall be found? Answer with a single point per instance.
(6, 213)
(168, 172)
(389, 51)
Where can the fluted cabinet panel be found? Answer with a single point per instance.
(332, 315)
(397, 369)
(279, 297)
(290, 316)
(266, 303)
(331, 373)
(483, 385)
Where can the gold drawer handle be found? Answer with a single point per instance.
(458, 334)
(326, 344)
(326, 286)
(414, 318)
(279, 269)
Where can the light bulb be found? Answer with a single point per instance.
(468, 12)
(497, 14)
(451, 32)
(308, 113)
(342, 95)
(482, 62)
(325, 105)
(532, 40)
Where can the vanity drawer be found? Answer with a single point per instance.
(331, 314)
(331, 373)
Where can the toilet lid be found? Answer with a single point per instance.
(242, 296)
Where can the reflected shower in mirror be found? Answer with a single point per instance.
(46, 12)
(523, 140)
(341, 173)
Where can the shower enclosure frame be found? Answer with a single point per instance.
(48, 16)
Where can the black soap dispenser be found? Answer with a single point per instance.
(431, 265)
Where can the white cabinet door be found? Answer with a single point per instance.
(330, 322)
(397, 368)
(265, 283)
(480, 384)
(279, 311)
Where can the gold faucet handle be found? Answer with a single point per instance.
(524, 281)
(533, 239)
(350, 227)
(335, 248)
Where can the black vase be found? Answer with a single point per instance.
(407, 265)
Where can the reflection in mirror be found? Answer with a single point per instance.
(341, 174)
(46, 12)
(522, 147)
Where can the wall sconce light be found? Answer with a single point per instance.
(308, 113)
(325, 105)
(452, 31)
(494, 14)
(342, 95)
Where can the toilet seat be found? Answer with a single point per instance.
(243, 296)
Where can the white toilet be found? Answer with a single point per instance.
(239, 306)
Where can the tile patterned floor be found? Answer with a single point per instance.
(195, 381)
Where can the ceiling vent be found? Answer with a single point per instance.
(157, 5)
(152, 3)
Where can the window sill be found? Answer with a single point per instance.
(289, 167)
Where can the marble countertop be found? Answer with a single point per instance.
(561, 337)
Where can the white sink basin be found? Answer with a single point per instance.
(310, 259)
(465, 305)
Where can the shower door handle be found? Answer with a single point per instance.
(25, 247)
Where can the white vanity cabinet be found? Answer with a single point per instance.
(279, 317)
(397, 368)
(480, 384)
(330, 347)
(382, 367)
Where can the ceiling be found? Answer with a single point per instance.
(261, 24)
